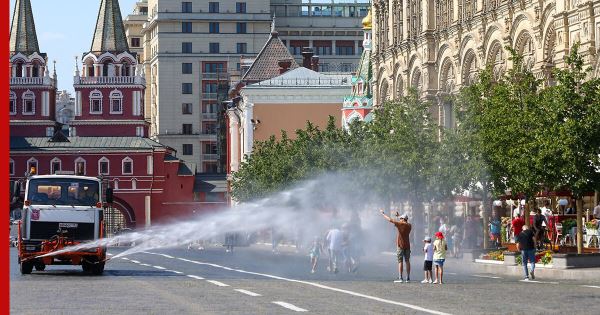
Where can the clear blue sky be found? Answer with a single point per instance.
(65, 29)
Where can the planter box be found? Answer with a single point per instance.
(472, 254)
(510, 258)
(489, 261)
(567, 261)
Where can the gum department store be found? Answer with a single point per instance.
(437, 46)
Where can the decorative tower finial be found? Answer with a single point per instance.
(110, 32)
(273, 24)
(76, 66)
(23, 37)
(54, 71)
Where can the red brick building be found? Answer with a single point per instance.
(107, 137)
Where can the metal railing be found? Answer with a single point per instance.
(110, 80)
(210, 157)
(209, 116)
(30, 81)
(215, 75)
(209, 96)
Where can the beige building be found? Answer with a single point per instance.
(438, 46)
(195, 50)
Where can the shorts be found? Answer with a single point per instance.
(439, 262)
(403, 254)
(428, 265)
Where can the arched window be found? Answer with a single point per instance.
(55, 165)
(116, 102)
(13, 103)
(80, 166)
(11, 164)
(127, 166)
(103, 166)
(105, 67)
(28, 103)
(95, 102)
(134, 184)
(32, 166)
(35, 70)
(19, 70)
(125, 69)
(116, 184)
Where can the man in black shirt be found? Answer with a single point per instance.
(526, 244)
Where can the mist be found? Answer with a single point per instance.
(300, 214)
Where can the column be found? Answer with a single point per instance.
(234, 135)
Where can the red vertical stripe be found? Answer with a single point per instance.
(4, 75)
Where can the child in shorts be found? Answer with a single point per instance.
(314, 253)
(427, 266)
(439, 256)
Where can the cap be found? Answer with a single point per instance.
(439, 235)
(404, 216)
(427, 239)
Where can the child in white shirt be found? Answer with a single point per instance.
(427, 266)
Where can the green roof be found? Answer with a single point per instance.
(84, 143)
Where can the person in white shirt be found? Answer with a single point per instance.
(428, 264)
(334, 240)
(546, 210)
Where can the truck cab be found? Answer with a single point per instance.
(61, 211)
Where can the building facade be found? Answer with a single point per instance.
(439, 46)
(359, 104)
(107, 135)
(195, 51)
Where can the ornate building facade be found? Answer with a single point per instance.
(438, 46)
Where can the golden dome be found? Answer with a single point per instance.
(367, 21)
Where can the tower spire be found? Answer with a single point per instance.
(23, 37)
(109, 35)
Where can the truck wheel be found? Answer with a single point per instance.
(26, 267)
(98, 269)
(86, 266)
(40, 267)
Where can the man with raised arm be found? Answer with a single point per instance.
(403, 243)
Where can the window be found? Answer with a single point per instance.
(103, 166)
(186, 88)
(55, 165)
(213, 27)
(79, 166)
(116, 184)
(186, 129)
(139, 131)
(186, 68)
(186, 108)
(210, 148)
(11, 167)
(188, 149)
(240, 7)
(186, 7)
(344, 50)
(213, 48)
(127, 166)
(28, 103)
(186, 47)
(116, 102)
(32, 166)
(210, 128)
(323, 50)
(242, 48)
(186, 27)
(135, 42)
(213, 67)
(241, 28)
(49, 131)
(95, 102)
(13, 103)
(213, 7)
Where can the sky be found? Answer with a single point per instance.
(65, 29)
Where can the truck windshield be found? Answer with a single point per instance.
(63, 191)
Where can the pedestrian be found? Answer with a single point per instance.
(517, 226)
(403, 244)
(539, 224)
(495, 229)
(315, 253)
(334, 240)
(456, 240)
(439, 256)
(597, 211)
(428, 264)
(526, 244)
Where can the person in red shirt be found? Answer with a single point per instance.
(517, 225)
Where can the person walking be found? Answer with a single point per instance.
(428, 264)
(539, 224)
(439, 257)
(526, 244)
(315, 253)
(334, 240)
(403, 244)
(495, 230)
